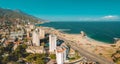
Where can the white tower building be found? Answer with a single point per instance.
(31, 26)
(60, 55)
(52, 43)
(35, 38)
(41, 33)
(64, 55)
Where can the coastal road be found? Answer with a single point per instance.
(85, 53)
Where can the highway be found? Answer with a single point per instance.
(85, 53)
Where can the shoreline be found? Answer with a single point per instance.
(85, 42)
(98, 36)
(86, 37)
(79, 34)
(63, 31)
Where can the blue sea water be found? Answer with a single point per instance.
(101, 31)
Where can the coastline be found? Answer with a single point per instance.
(89, 38)
(93, 41)
(62, 31)
(85, 42)
(97, 33)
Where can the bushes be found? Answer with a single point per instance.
(52, 56)
(14, 56)
(36, 58)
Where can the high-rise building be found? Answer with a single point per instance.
(52, 43)
(60, 55)
(64, 54)
(28, 34)
(31, 26)
(41, 33)
(35, 38)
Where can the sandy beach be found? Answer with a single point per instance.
(94, 46)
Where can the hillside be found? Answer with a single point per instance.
(16, 16)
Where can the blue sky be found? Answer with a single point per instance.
(68, 10)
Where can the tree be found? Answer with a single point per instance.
(9, 48)
(5, 60)
(14, 56)
(117, 60)
(77, 55)
(21, 50)
(39, 61)
(52, 56)
(25, 40)
(2, 50)
(36, 58)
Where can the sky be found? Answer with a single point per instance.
(67, 10)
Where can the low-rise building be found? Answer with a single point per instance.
(35, 49)
(14, 35)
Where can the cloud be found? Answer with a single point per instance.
(102, 18)
(111, 17)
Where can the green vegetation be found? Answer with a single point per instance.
(2, 49)
(7, 55)
(17, 16)
(25, 40)
(52, 56)
(117, 61)
(77, 56)
(36, 58)
(20, 51)
(12, 57)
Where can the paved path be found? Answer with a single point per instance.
(85, 53)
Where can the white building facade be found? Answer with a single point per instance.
(35, 49)
(64, 55)
(35, 38)
(60, 55)
(41, 33)
(52, 43)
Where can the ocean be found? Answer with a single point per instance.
(101, 31)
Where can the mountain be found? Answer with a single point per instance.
(17, 16)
